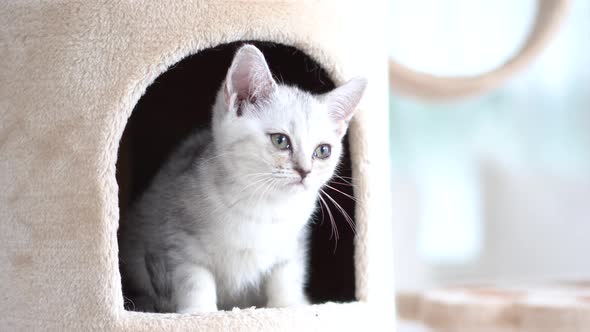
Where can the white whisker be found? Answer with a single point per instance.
(258, 185)
(255, 182)
(202, 161)
(332, 222)
(348, 219)
(261, 197)
(343, 183)
(346, 179)
(343, 193)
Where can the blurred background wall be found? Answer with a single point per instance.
(493, 187)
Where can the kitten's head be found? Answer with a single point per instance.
(275, 137)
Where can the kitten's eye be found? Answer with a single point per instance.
(281, 141)
(323, 151)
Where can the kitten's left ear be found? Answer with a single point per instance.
(342, 101)
(248, 78)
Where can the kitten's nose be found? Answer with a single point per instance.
(302, 172)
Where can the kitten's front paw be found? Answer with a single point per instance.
(197, 309)
(286, 302)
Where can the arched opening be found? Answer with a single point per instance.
(179, 101)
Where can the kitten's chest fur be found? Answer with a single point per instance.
(251, 250)
(243, 250)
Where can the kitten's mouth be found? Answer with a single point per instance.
(298, 184)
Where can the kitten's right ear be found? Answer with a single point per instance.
(342, 102)
(248, 78)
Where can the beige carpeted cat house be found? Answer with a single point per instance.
(94, 94)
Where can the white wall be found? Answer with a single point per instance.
(498, 186)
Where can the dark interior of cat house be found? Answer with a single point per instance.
(179, 101)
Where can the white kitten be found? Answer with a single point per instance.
(223, 223)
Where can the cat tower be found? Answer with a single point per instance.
(94, 94)
(78, 77)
